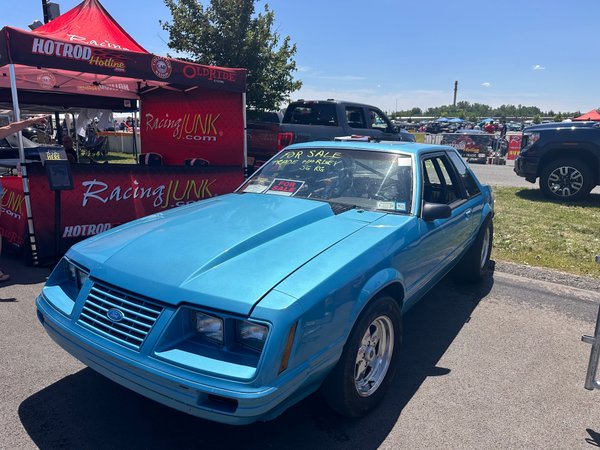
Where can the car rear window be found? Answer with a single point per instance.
(311, 114)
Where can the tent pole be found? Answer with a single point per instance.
(245, 136)
(135, 150)
(25, 178)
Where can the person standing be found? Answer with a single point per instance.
(67, 143)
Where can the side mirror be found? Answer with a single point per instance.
(433, 211)
(395, 129)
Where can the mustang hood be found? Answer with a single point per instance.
(224, 253)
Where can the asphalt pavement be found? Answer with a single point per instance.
(496, 365)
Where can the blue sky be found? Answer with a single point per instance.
(396, 53)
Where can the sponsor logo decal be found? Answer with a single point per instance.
(167, 195)
(161, 67)
(74, 231)
(46, 80)
(210, 73)
(105, 43)
(60, 49)
(198, 127)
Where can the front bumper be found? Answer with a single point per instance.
(219, 400)
(527, 167)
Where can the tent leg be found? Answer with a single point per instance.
(245, 136)
(25, 178)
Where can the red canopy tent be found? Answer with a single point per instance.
(85, 59)
(591, 115)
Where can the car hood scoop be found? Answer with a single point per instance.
(224, 253)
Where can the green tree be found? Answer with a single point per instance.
(228, 33)
(537, 119)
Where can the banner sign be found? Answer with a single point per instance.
(80, 56)
(13, 217)
(514, 146)
(199, 124)
(105, 196)
(469, 145)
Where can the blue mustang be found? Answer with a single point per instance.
(234, 308)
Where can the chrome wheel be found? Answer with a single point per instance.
(485, 248)
(374, 356)
(565, 181)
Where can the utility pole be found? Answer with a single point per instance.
(455, 91)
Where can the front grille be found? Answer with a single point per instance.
(138, 315)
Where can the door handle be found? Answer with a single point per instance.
(468, 213)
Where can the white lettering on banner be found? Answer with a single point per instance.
(85, 230)
(200, 127)
(52, 48)
(98, 190)
(105, 43)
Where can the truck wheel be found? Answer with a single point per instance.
(473, 265)
(369, 361)
(566, 180)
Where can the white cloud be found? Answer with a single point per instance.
(538, 67)
(487, 84)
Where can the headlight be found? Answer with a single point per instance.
(209, 327)
(251, 334)
(75, 274)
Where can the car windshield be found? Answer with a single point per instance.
(362, 179)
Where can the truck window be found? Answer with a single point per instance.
(378, 120)
(355, 117)
(312, 114)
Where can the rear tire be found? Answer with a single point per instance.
(369, 361)
(474, 264)
(566, 180)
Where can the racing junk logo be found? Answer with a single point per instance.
(199, 127)
(161, 67)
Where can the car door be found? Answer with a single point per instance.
(372, 122)
(442, 240)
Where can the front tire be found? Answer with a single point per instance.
(566, 180)
(369, 361)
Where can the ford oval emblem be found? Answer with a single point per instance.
(115, 315)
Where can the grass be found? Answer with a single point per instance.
(530, 229)
(112, 158)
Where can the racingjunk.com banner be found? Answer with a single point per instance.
(104, 197)
(202, 123)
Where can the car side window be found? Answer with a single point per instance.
(438, 181)
(355, 117)
(467, 178)
(378, 121)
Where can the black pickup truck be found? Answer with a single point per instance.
(324, 120)
(564, 156)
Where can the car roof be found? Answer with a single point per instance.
(383, 146)
(560, 125)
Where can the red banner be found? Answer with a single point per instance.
(514, 146)
(13, 217)
(201, 124)
(106, 196)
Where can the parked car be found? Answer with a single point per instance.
(565, 156)
(236, 307)
(9, 148)
(314, 120)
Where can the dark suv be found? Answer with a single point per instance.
(564, 156)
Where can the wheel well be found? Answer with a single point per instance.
(589, 158)
(394, 290)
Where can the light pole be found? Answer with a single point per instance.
(45, 11)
